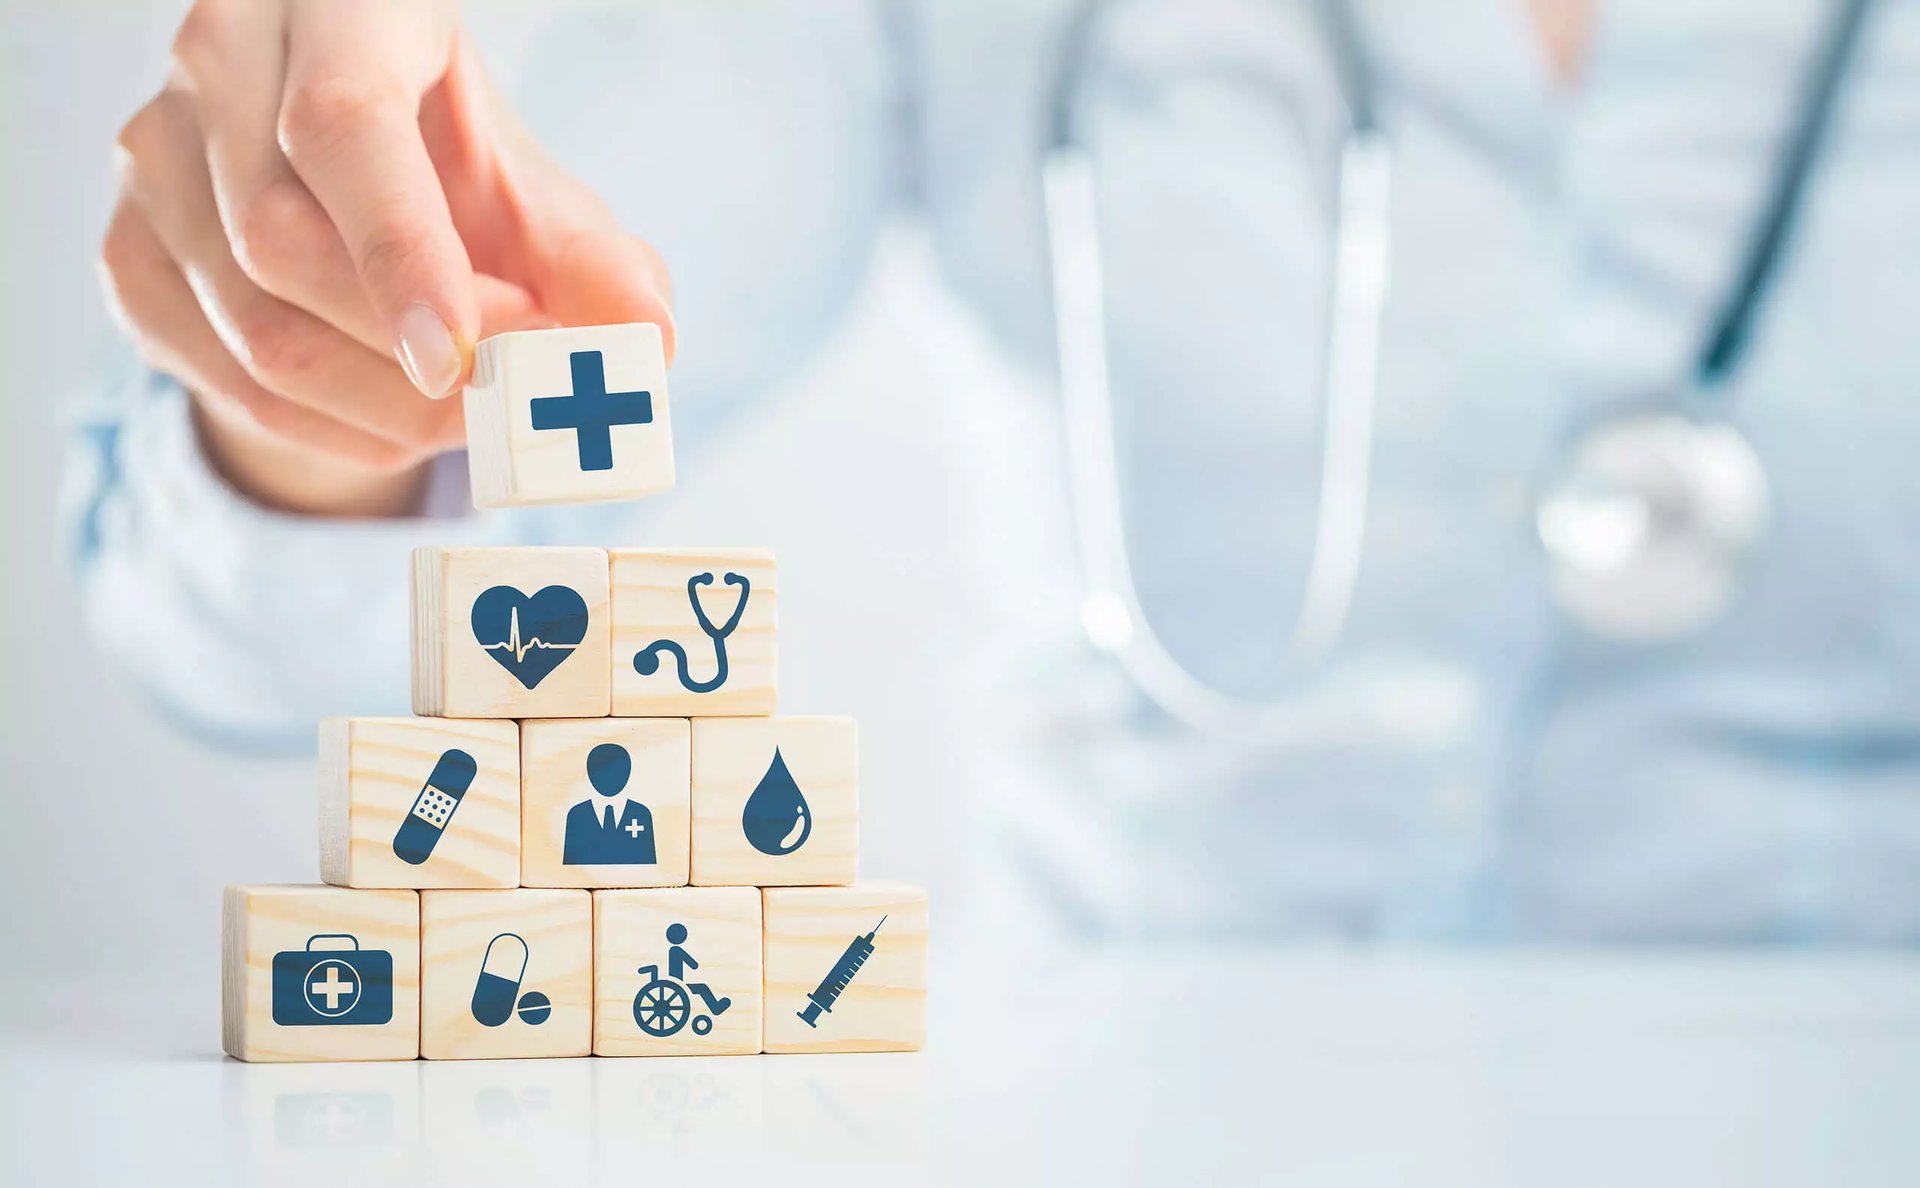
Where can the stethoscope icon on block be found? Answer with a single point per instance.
(498, 987)
(646, 661)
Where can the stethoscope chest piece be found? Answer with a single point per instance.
(1650, 524)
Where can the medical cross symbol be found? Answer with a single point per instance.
(333, 989)
(633, 828)
(592, 411)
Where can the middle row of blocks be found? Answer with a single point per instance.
(598, 802)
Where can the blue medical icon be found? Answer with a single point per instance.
(662, 1006)
(596, 834)
(828, 991)
(314, 987)
(777, 819)
(529, 636)
(433, 807)
(591, 411)
(646, 661)
(502, 968)
(535, 1007)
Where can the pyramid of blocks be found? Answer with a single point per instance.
(597, 836)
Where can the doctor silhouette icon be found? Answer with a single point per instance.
(610, 829)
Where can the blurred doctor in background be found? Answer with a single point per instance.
(1485, 430)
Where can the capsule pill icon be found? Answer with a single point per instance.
(502, 968)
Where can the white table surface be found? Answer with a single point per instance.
(1174, 1068)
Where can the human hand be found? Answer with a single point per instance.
(319, 214)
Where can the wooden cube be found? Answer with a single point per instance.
(573, 415)
(694, 632)
(505, 973)
(647, 996)
(846, 968)
(419, 802)
(604, 802)
(320, 973)
(510, 632)
(776, 801)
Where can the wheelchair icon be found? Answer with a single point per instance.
(662, 1006)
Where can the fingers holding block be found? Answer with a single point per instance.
(569, 416)
(676, 971)
(320, 973)
(776, 801)
(846, 968)
(605, 802)
(694, 632)
(510, 632)
(419, 802)
(505, 974)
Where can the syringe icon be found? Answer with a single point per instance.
(828, 991)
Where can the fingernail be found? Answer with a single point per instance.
(428, 352)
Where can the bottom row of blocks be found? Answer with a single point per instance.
(332, 973)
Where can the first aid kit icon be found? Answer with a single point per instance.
(322, 987)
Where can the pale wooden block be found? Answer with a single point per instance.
(630, 935)
(658, 598)
(510, 632)
(564, 841)
(812, 936)
(320, 973)
(748, 829)
(571, 415)
(399, 806)
(535, 949)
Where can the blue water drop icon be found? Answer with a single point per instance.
(777, 820)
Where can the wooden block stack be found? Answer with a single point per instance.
(598, 836)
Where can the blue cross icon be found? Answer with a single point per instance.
(592, 411)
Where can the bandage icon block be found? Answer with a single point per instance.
(776, 801)
(845, 968)
(694, 632)
(510, 632)
(605, 802)
(676, 971)
(505, 974)
(569, 416)
(320, 973)
(419, 802)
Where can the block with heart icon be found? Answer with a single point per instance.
(511, 632)
(695, 632)
(569, 415)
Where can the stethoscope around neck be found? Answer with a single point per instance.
(1647, 524)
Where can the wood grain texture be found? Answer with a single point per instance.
(258, 922)
(651, 603)
(723, 935)
(371, 771)
(730, 758)
(455, 675)
(511, 463)
(807, 929)
(553, 781)
(456, 928)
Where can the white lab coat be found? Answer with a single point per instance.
(1553, 255)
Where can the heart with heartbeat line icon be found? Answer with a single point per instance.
(530, 637)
